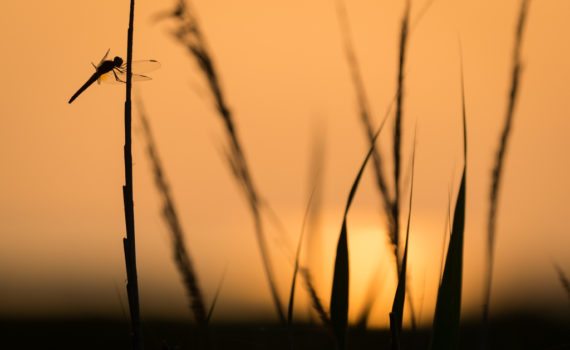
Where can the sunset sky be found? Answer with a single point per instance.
(286, 78)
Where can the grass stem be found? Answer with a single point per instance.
(129, 241)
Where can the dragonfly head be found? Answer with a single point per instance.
(118, 61)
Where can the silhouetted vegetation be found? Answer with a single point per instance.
(334, 329)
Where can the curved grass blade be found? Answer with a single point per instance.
(448, 306)
(340, 290)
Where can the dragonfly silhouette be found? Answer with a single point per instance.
(115, 71)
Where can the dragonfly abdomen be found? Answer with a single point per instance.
(91, 80)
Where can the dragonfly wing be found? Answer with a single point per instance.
(103, 59)
(119, 77)
(142, 66)
(140, 77)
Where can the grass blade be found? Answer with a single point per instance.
(216, 295)
(340, 286)
(448, 306)
(340, 290)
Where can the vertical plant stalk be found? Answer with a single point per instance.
(397, 313)
(190, 35)
(500, 160)
(397, 151)
(129, 241)
(180, 254)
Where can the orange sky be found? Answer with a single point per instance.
(284, 72)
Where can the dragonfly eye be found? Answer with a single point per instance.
(118, 61)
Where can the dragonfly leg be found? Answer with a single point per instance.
(117, 77)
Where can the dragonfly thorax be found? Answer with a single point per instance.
(118, 61)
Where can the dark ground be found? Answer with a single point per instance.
(515, 332)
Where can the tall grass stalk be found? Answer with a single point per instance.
(500, 160)
(397, 149)
(180, 254)
(129, 241)
(340, 286)
(397, 313)
(189, 34)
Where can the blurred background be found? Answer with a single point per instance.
(286, 79)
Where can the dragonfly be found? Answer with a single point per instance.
(115, 71)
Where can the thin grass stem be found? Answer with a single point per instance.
(129, 241)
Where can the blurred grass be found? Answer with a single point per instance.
(189, 34)
(500, 157)
(180, 253)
